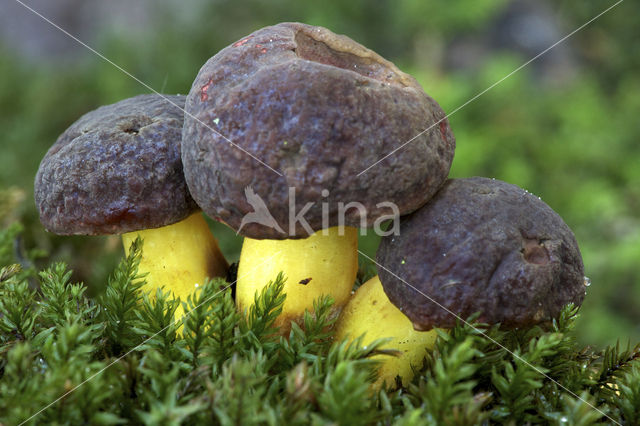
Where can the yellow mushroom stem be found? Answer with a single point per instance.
(325, 263)
(178, 257)
(370, 313)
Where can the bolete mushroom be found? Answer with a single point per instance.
(479, 245)
(117, 170)
(370, 314)
(299, 113)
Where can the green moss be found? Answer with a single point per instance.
(120, 358)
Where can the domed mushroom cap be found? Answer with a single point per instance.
(482, 245)
(318, 108)
(115, 170)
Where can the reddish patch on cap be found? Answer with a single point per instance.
(262, 49)
(242, 42)
(203, 91)
(443, 130)
(117, 217)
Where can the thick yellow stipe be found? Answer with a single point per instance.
(314, 266)
(179, 257)
(370, 312)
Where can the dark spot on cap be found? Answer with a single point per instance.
(305, 281)
(535, 252)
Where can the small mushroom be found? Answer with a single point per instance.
(480, 245)
(117, 170)
(316, 109)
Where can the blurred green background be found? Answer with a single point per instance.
(565, 127)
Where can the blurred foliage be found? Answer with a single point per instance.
(569, 137)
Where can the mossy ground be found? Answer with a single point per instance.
(119, 358)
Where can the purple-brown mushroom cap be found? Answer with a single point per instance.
(482, 245)
(319, 109)
(117, 169)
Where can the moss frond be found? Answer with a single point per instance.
(122, 358)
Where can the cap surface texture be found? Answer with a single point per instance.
(482, 245)
(319, 109)
(117, 169)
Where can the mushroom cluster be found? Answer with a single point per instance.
(272, 140)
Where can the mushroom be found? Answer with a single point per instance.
(300, 114)
(117, 170)
(370, 314)
(480, 245)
